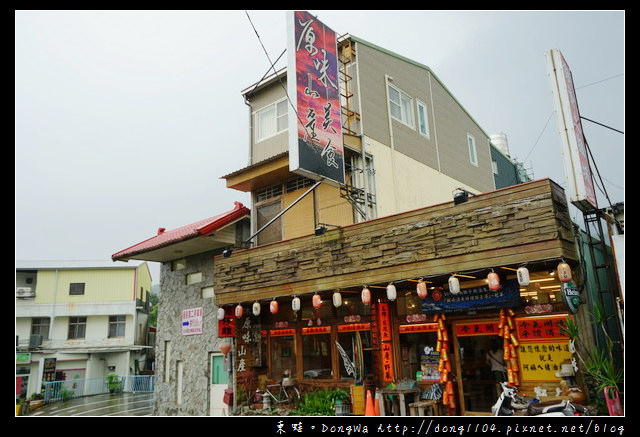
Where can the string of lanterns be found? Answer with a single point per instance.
(444, 363)
(506, 328)
(493, 281)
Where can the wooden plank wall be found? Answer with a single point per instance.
(524, 223)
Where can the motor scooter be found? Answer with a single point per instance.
(509, 401)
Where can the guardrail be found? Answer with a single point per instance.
(64, 390)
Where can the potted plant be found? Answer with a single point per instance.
(340, 398)
(598, 364)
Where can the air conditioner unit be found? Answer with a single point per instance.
(25, 292)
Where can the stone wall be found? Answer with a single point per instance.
(193, 350)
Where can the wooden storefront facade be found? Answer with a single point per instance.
(401, 340)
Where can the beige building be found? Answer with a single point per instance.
(88, 321)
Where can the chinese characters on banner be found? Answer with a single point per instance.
(315, 132)
(384, 323)
(248, 337)
(543, 347)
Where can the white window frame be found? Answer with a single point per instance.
(473, 150)
(277, 112)
(423, 119)
(404, 106)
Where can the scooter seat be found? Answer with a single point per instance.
(546, 407)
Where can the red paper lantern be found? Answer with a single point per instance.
(239, 311)
(366, 296)
(421, 289)
(273, 307)
(317, 301)
(494, 281)
(225, 347)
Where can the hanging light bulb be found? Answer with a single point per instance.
(421, 289)
(366, 295)
(494, 281)
(239, 311)
(220, 313)
(256, 309)
(391, 292)
(454, 285)
(337, 299)
(564, 272)
(317, 301)
(523, 276)
(273, 306)
(295, 304)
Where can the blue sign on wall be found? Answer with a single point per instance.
(472, 299)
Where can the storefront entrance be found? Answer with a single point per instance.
(477, 355)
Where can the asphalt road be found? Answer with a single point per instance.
(125, 404)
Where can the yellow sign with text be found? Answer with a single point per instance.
(541, 361)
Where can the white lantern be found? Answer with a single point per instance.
(220, 313)
(295, 304)
(239, 311)
(366, 296)
(564, 272)
(454, 285)
(523, 276)
(256, 309)
(391, 292)
(337, 299)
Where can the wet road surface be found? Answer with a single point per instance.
(125, 404)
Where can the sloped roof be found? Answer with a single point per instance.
(150, 249)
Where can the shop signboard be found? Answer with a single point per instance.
(477, 298)
(543, 347)
(315, 133)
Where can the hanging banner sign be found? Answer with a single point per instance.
(384, 321)
(388, 375)
(478, 298)
(315, 132)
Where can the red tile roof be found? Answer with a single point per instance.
(200, 228)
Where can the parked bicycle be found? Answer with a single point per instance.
(283, 393)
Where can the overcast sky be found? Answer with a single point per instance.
(126, 120)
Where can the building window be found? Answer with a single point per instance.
(473, 157)
(400, 106)
(423, 122)
(77, 327)
(317, 356)
(40, 326)
(270, 192)
(116, 326)
(194, 278)
(271, 120)
(179, 264)
(167, 357)
(494, 167)
(76, 288)
(207, 292)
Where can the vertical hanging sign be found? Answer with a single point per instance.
(384, 321)
(315, 134)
